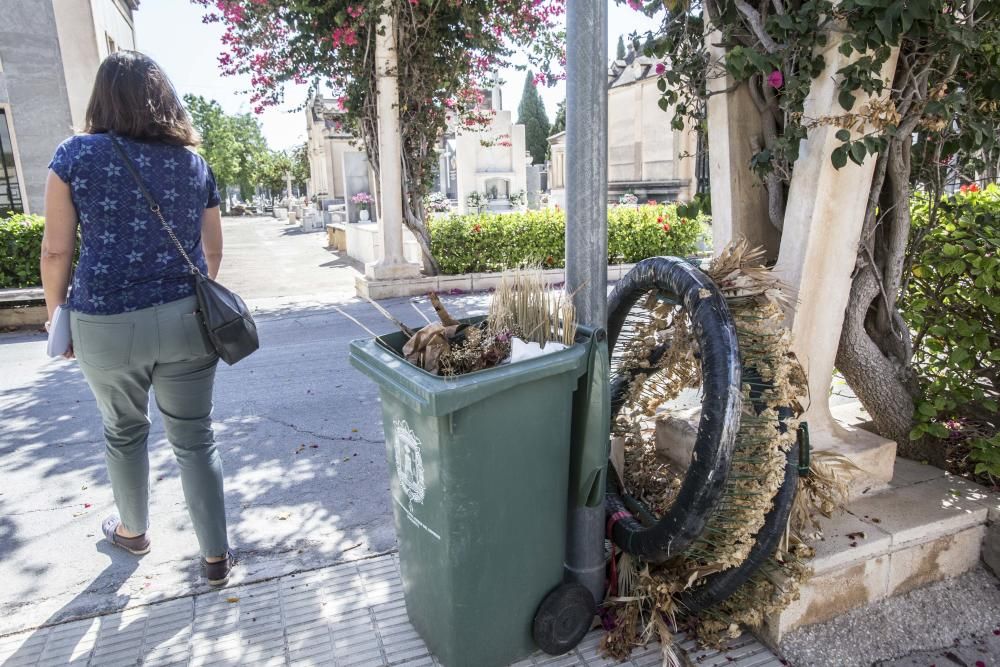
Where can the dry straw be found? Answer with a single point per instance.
(525, 304)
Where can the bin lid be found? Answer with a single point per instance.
(436, 395)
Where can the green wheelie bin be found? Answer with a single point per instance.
(480, 468)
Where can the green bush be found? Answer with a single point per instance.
(496, 241)
(20, 250)
(952, 305)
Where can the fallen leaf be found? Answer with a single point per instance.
(854, 544)
(314, 446)
(284, 515)
(300, 449)
(856, 536)
(354, 430)
(232, 600)
(87, 506)
(83, 488)
(345, 459)
(874, 520)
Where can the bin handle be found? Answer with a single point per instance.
(595, 483)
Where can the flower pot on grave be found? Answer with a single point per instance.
(363, 215)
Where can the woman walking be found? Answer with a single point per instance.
(132, 304)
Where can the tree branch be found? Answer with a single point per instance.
(756, 23)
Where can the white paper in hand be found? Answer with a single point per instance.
(59, 333)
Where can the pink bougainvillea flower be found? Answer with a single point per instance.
(660, 69)
(776, 79)
(635, 4)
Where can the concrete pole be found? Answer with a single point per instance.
(288, 184)
(587, 231)
(391, 265)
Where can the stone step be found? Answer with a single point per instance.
(677, 428)
(926, 526)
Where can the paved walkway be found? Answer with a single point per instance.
(266, 259)
(350, 615)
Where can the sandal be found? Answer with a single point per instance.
(218, 573)
(138, 545)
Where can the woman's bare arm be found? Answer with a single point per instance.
(211, 239)
(58, 242)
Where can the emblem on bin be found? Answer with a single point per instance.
(409, 463)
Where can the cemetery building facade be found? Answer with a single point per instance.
(327, 142)
(646, 157)
(49, 54)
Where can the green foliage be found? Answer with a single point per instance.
(233, 145)
(494, 242)
(273, 172)
(620, 53)
(21, 248)
(559, 124)
(531, 114)
(300, 164)
(952, 303)
(946, 83)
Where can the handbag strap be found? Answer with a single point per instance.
(153, 206)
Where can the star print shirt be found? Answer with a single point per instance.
(127, 261)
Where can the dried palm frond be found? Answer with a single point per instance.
(822, 491)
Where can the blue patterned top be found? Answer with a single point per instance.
(127, 261)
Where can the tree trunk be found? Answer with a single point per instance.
(875, 353)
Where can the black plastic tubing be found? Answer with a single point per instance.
(719, 586)
(715, 332)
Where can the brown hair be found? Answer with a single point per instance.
(134, 98)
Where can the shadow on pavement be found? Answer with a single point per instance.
(300, 434)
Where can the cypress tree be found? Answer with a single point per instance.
(559, 124)
(621, 48)
(531, 114)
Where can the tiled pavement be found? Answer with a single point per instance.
(349, 615)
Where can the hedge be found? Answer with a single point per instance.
(952, 305)
(20, 250)
(496, 241)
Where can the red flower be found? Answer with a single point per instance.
(477, 228)
(974, 187)
(659, 219)
(666, 227)
(776, 79)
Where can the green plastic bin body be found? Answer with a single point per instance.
(480, 468)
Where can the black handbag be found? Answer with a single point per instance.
(230, 327)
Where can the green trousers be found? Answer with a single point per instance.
(166, 348)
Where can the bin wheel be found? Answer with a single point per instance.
(564, 618)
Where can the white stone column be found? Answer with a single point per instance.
(739, 201)
(391, 264)
(819, 247)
